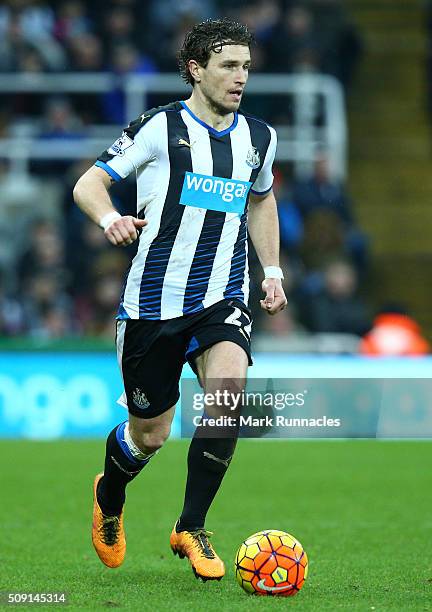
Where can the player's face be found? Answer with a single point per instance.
(224, 78)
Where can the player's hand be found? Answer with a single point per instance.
(124, 230)
(275, 299)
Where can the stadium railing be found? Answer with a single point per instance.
(316, 106)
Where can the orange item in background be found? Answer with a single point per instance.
(394, 334)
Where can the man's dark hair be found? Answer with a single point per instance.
(210, 35)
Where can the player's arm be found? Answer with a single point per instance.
(264, 232)
(91, 194)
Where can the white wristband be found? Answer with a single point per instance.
(109, 218)
(273, 272)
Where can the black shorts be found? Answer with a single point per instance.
(151, 354)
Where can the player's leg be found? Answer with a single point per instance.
(222, 367)
(150, 374)
(129, 448)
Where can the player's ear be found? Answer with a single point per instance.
(195, 70)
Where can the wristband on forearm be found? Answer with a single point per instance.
(109, 218)
(273, 272)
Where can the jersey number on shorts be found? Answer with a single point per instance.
(235, 319)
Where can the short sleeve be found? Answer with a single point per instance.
(264, 180)
(137, 145)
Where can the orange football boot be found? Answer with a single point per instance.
(196, 547)
(108, 535)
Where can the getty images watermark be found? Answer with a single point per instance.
(264, 408)
(235, 401)
(308, 408)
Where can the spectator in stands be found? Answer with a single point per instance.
(60, 121)
(37, 19)
(290, 220)
(86, 245)
(337, 308)
(44, 254)
(56, 321)
(47, 306)
(261, 16)
(85, 53)
(17, 54)
(292, 40)
(165, 53)
(96, 308)
(166, 14)
(72, 20)
(29, 26)
(120, 27)
(323, 241)
(340, 45)
(324, 192)
(125, 59)
(290, 47)
(393, 333)
(11, 312)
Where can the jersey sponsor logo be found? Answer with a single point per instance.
(214, 193)
(120, 145)
(253, 158)
(139, 399)
(262, 585)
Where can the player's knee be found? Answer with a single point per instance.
(227, 392)
(150, 441)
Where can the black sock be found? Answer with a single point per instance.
(208, 461)
(121, 467)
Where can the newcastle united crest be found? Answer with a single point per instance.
(253, 158)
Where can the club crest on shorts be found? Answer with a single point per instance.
(139, 399)
(253, 158)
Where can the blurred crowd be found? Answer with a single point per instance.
(65, 279)
(127, 35)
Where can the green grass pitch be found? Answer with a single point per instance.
(362, 510)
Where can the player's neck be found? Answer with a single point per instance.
(206, 113)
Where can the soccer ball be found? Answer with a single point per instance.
(271, 562)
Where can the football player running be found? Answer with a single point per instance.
(204, 182)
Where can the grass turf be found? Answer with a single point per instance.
(362, 510)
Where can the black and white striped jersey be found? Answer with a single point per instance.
(193, 185)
